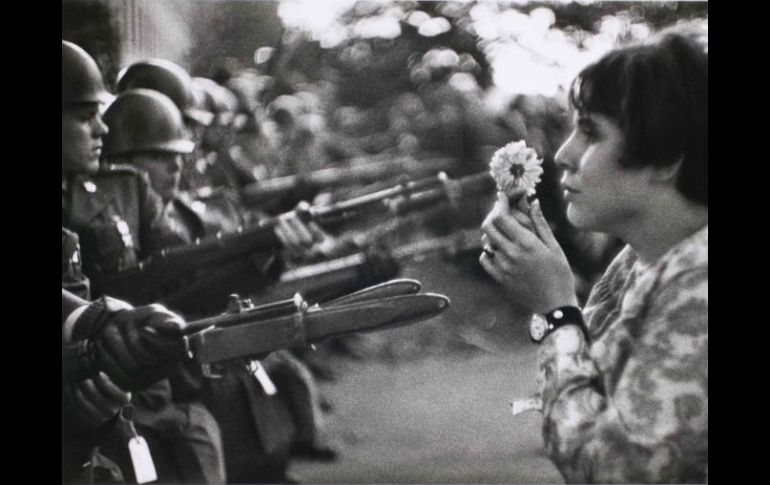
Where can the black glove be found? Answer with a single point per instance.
(91, 403)
(134, 346)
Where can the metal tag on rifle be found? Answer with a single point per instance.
(264, 380)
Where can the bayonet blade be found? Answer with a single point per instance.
(401, 286)
(249, 339)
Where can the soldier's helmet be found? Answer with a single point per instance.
(219, 100)
(82, 80)
(168, 78)
(142, 120)
(286, 108)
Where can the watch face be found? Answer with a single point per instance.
(537, 328)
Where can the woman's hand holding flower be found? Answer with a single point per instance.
(529, 264)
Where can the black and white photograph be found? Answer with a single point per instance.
(384, 241)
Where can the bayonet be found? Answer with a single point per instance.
(313, 324)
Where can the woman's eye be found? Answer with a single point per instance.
(89, 117)
(589, 132)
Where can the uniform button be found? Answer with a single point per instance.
(89, 186)
(558, 314)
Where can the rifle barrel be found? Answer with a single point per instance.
(360, 170)
(261, 312)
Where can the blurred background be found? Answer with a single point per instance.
(375, 81)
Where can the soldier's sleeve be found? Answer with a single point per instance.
(654, 426)
(72, 277)
(69, 303)
(155, 231)
(221, 211)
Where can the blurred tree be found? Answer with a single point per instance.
(92, 25)
(225, 31)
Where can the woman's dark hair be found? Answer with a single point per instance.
(658, 92)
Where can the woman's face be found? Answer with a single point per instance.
(164, 170)
(601, 195)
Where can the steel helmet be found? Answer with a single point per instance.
(220, 100)
(142, 120)
(168, 78)
(81, 79)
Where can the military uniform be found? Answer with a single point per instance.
(117, 216)
(119, 220)
(80, 438)
(72, 277)
(193, 218)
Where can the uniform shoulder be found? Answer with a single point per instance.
(121, 175)
(119, 169)
(66, 233)
(210, 193)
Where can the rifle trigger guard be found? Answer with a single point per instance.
(209, 373)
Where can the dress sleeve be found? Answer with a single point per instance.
(653, 425)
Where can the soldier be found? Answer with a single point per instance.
(168, 78)
(116, 216)
(156, 145)
(219, 139)
(146, 131)
(130, 348)
(118, 219)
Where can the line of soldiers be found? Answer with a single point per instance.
(121, 172)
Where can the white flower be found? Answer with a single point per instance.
(516, 169)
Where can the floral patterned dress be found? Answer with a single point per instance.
(632, 406)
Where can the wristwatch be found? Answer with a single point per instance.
(543, 325)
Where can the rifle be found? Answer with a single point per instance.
(291, 189)
(165, 271)
(330, 279)
(247, 331)
(319, 281)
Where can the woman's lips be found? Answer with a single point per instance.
(569, 192)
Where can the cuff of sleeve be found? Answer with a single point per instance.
(90, 320)
(69, 323)
(94, 316)
(569, 339)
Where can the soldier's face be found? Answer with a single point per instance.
(82, 129)
(164, 170)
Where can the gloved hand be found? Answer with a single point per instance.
(305, 240)
(296, 235)
(93, 402)
(134, 346)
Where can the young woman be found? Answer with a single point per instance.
(625, 379)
